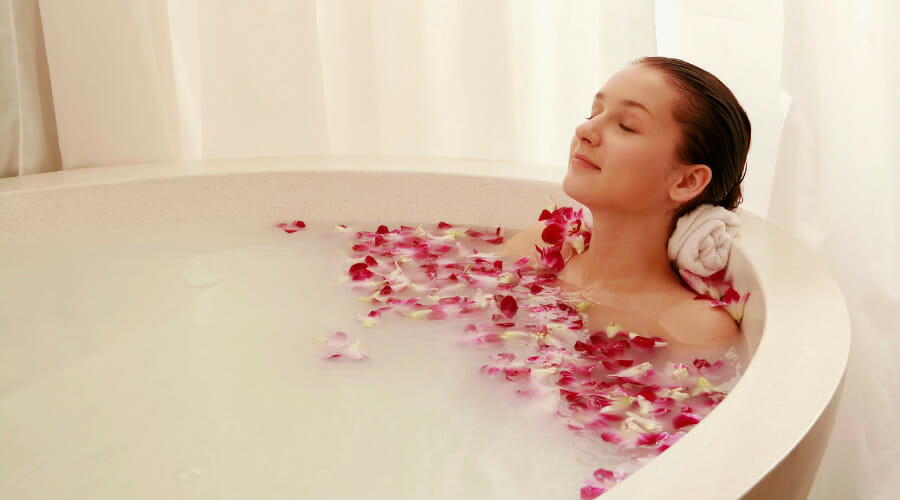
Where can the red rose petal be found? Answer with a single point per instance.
(554, 234)
(590, 492)
(508, 306)
(644, 342)
(685, 420)
(360, 272)
(648, 439)
(603, 475)
(551, 257)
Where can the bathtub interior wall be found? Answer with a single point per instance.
(315, 195)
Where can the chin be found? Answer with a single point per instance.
(568, 183)
(578, 188)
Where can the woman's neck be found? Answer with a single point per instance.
(627, 253)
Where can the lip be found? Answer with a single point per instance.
(581, 160)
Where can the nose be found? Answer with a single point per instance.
(588, 131)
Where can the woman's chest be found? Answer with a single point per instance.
(635, 319)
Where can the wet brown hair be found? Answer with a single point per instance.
(715, 130)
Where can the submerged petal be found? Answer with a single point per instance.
(551, 257)
(339, 346)
(360, 272)
(590, 492)
(293, 227)
(703, 386)
(508, 306)
(651, 439)
(685, 420)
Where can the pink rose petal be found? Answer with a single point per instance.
(339, 346)
(590, 492)
(293, 227)
(550, 257)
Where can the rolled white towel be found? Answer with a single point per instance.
(701, 242)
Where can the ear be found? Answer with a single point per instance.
(691, 181)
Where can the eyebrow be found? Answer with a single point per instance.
(627, 102)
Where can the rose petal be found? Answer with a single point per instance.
(604, 475)
(590, 492)
(685, 420)
(554, 234)
(651, 439)
(508, 306)
(360, 272)
(551, 258)
(339, 346)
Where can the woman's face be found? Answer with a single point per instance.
(624, 156)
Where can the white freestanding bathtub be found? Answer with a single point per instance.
(764, 441)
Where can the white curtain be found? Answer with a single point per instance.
(150, 80)
(28, 143)
(836, 187)
(147, 80)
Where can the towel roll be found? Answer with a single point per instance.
(701, 242)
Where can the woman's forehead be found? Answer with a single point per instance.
(644, 85)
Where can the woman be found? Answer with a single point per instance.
(663, 137)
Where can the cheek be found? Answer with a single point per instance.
(637, 152)
(643, 177)
(648, 160)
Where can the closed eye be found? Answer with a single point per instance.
(621, 125)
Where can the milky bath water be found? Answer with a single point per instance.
(183, 363)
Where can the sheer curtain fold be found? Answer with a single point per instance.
(164, 79)
(111, 68)
(28, 143)
(835, 188)
(741, 43)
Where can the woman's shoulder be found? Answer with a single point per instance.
(695, 322)
(522, 243)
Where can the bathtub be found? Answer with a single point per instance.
(764, 441)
